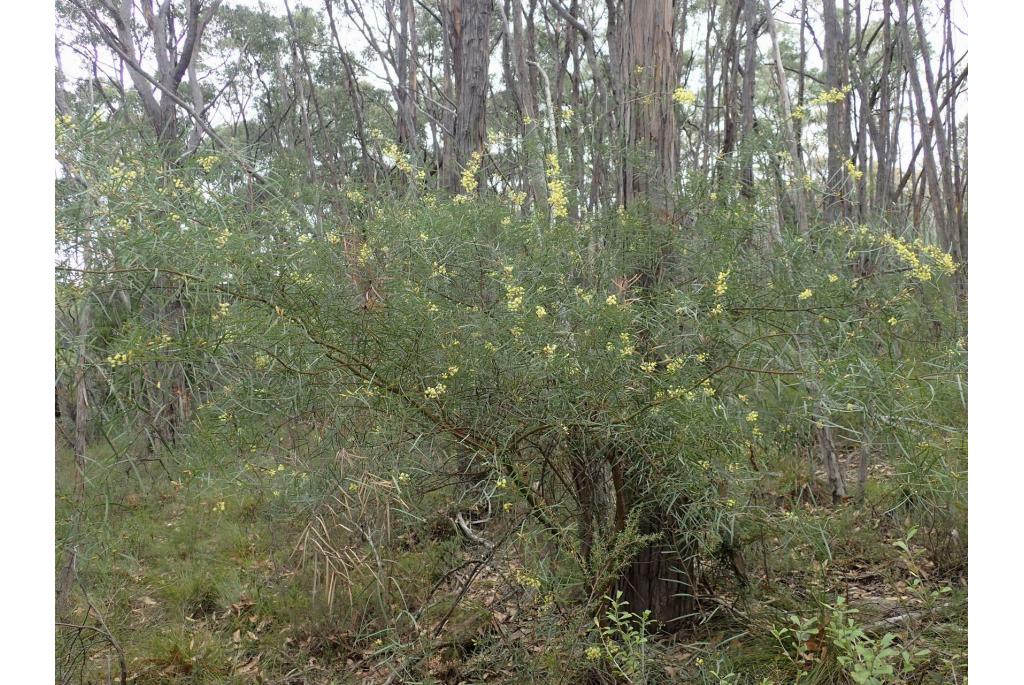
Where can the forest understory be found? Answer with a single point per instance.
(511, 341)
(210, 577)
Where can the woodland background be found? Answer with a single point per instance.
(511, 341)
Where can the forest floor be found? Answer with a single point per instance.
(205, 576)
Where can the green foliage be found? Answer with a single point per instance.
(406, 362)
(865, 660)
(623, 641)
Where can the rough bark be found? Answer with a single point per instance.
(662, 576)
(644, 54)
(468, 24)
(836, 122)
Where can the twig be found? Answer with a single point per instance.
(468, 532)
(414, 658)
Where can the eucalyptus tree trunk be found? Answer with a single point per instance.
(747, 98)
(517, 81)
(601, 112)
(884, 168)
(645, 61)
(948, 230)
(172, 52)
(799, 195)
(801, 83)
(836, 120)
(407, 63)
(931, 172)
(302, 104)
(710, 57)
(468, 25)
(660, 577)
(727, 95)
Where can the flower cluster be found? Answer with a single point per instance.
(527, 580)
(833, 96)
(223, 309)
(855, 173)
(675, 393)
(436, 391)
(469, 180)
(401, 160)
(64, 124)
(516, 197)
(207, 163)
(682, 96)
(584, 295)
(120, 175)
(365, 252)
(120, 359)
(556, 188)
(163, 341)
(628, 348)
(721, 285)
(514, 293)
(943, 260)
(918, 269)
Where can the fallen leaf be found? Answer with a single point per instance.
(250, 666)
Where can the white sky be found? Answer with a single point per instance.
(76, 67)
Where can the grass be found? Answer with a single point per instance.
(199, 579)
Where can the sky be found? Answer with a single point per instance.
(785, 14)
